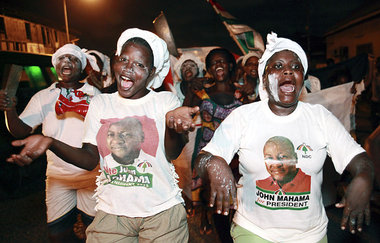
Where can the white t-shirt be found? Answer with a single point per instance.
(144, 188)
(67, 128)
(273, 214)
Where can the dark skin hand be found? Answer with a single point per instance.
(94, 78)
(356, 200)
(179, 123)
(14, 124)
(86, 157)
(7, 103)
(196, 84)
(221, 180)
(248, 88)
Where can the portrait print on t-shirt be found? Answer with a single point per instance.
(128, 147)
(287, 186)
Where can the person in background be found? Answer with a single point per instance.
(262, 216)
(248, 82)
(189, 68)
(136, 201)
(216, 101)
(60, 109)
(101, 76)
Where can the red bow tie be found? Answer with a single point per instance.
(72, 100)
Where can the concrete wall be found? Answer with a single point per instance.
(364, 33)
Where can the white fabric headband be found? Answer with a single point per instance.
(160, 53)
(250, 54)
(273, 46)
(73, 50)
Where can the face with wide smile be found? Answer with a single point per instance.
(284, 79)
(220, 68)
(280, 161)
(69, 69)
(133, 70)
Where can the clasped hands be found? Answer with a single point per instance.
(181, 119)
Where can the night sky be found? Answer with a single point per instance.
(99, 23)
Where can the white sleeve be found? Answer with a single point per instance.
(33, 113)
(92, 120)
(226, 139)
(341, 146)
(172, 102)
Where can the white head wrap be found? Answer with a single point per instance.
(273, 46)
(189, 56)
(239, 59)
(73, 50)
(105, 60)
(250, 54)
(160, 53)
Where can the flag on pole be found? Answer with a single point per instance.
(245, 37)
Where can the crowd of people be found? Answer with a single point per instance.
(232, 138)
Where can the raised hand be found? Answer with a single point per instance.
(181, 119)
(94, 78)
(7, 103)
(34, 146)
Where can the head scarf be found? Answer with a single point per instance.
(160, 53)
(105, 60)
(250, 54)
(189, 56)
(273, 46)
(75, 51)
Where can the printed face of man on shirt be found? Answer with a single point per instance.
(280, 159)
(124, 140)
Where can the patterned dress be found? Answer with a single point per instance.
(212, 114)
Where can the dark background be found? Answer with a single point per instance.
(99, 23)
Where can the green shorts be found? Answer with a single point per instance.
(241, 235)
(167, 226)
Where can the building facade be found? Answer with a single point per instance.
(357, 35)
(19, 35)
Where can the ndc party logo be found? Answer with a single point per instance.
(305, 149)
(144, 165)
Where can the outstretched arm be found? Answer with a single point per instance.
(86, 157)
(15, 125)
(178, 124)
(222, 182)
(357, 197)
